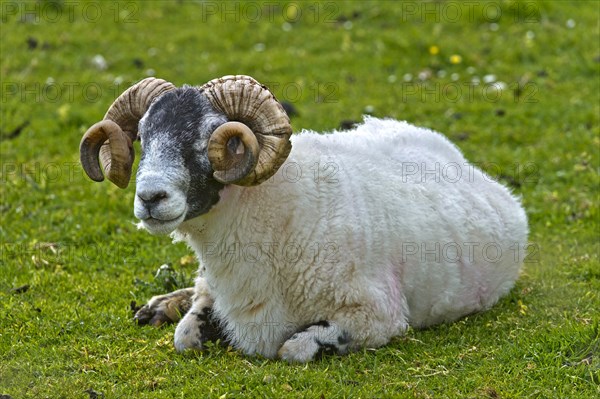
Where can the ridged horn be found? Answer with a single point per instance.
(110, 140)
(242, 99)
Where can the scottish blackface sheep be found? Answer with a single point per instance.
(308, 243)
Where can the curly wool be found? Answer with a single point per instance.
(375, 229)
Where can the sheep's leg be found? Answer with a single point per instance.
(167, 308)
(314, 341)
(199, 324)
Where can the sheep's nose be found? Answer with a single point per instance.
(152, 197)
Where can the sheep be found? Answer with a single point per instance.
(309, 244)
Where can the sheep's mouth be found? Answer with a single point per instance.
(162, 226)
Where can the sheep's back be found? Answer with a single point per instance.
(350, 222)
(406, 196)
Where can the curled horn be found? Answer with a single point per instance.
(110, 140)
(260, 123)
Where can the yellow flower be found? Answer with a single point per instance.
(455, 59)
(63, 112)
(434, 50)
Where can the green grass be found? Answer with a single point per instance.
(73, 242)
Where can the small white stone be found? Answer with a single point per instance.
(489, 78)
(99, 62)
(499, 86)
(571, 23)
(424, 75)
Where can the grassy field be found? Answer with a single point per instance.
(514, 84)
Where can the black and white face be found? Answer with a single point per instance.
(174, 181)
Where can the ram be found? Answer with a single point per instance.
(308, 243)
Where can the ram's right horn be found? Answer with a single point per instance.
(264, 126)
(110, 140)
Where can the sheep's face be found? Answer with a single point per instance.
(174, 180)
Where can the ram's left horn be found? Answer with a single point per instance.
(110, 141)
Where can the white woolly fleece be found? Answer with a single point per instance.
(375, 229)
